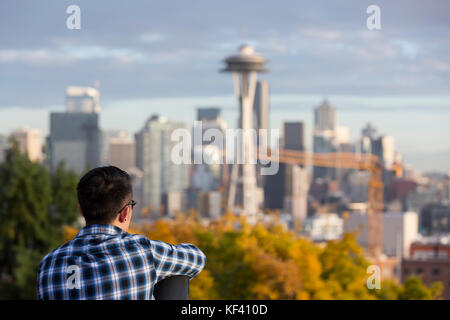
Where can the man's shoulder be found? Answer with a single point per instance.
(56, 254)
(138, 238)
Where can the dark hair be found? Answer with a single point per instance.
(102, 192)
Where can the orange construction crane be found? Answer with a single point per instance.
(366, 162)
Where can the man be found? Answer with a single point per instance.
(104, 261)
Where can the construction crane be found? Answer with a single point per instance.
(366, 162)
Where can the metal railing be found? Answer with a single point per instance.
(172, 288)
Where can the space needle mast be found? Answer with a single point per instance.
(244, 66)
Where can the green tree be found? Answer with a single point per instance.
(389, 290)
(344, 267)
(414, 289)
(34, 205)
(64, 190)
(25, 230)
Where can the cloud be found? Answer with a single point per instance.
(69, 54)
(321, 34)
(151, 37)
(409, 49)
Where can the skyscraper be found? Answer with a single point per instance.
(208, 176)
(261, 121)
(153, 157)
(261, 105)
(384, 148)
(285, 189)
(294, 138)
(75, 139)
(75, 136)
(296, 192)
(106, 136)
(82, 99)
(325, 116)
(325, 136)
(122, 152)
(210, 114)
(29, 142)
(296, 177)
(369, 131)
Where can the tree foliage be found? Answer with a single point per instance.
(32, 211)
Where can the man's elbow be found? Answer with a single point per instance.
(200, 261)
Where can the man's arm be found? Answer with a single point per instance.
(183, 259)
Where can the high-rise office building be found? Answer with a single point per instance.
(287, 189)
(208, 175)
(153, 156)
(296, 192)
(29, 142)
(325, 136)
(122, 151)
(369, 131)
(328, 137)
(261, 105)
(274, 189)
(209, 114)
(324, 141)
(261, 122)
(294, 138)
(296, 177)
(82, 99)
(325, 117)
(384, 148)
(75, 139)
(106, 136)
(210, 118)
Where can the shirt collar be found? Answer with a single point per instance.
(99, 229)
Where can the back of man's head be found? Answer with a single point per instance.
(102, 192)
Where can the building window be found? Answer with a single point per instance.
(419, 270)
(436, 272)
(405, 271)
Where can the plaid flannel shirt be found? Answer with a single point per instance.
(105, 262)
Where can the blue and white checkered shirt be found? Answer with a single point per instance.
(105, 262)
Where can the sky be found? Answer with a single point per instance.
(163, 57)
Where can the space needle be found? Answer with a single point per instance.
(244, 66)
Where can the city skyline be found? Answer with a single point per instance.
(426, 150)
